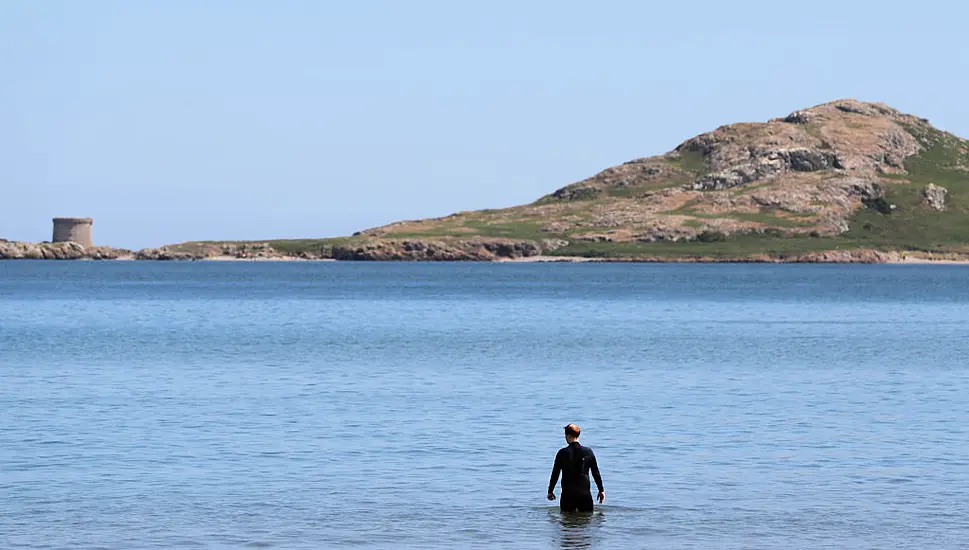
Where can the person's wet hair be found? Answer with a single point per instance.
(572, 430)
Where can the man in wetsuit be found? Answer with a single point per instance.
(575, 462)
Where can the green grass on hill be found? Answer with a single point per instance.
(288, 246)
(691, 161)
(639, 190)
(733, 247)
(911, 226)
(295, 246)
(524, 230)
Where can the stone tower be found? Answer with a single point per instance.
(76, 230)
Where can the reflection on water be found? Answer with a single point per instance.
(577, 529)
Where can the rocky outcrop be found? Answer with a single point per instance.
(208, 251)
(168, 254)
(934, 196)
(10, 250)
(365, 250)
(844, 135)
(864, 256)
(437, 250)
(551, 245)
(634, 174)
(578, 192)
(763, 164)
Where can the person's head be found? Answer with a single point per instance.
(572, 433)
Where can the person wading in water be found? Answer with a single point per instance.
(574, 462)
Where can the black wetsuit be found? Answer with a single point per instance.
(575, 462)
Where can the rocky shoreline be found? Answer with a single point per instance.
(13, 250)
(475, 250)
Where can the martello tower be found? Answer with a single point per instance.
(76, 230)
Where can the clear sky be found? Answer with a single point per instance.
(173, 120)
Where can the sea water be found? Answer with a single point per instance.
(337, 405)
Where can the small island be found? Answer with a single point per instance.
(845, 181)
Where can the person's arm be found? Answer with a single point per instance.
(594, 466)
(556, 468)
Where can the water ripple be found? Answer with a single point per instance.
(334, 405)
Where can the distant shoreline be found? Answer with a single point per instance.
(460, 252)
(923, 261)
(526, 260)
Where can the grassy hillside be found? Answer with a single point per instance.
(910, 226)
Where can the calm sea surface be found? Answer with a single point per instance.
(330, 405)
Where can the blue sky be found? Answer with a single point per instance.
(177, 120)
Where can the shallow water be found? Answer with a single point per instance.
(310, 405)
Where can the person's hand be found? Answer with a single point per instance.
(551, 496)
(602, 496)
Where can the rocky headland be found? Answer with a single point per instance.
(845, 181)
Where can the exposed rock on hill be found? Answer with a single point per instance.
(934, 196)
(806, 176)
(804, 173)
(440, 250)
(204, 251)
(388, 250)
